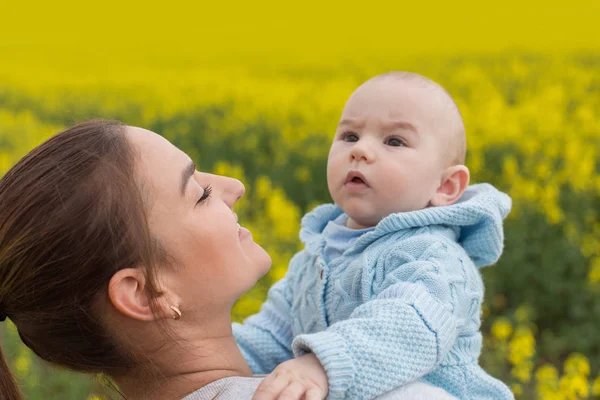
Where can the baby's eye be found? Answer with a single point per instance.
(395, 142)
(350, 137)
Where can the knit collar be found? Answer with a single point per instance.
(477, 216)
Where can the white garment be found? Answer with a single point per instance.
(242, 388)
(417, 391)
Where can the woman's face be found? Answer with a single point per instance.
(191, 214)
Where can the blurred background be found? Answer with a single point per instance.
(254, 90)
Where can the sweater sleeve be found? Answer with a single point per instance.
(397, 337)
(265, 338)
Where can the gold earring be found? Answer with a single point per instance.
(177, 314)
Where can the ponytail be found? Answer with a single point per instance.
(9, 390)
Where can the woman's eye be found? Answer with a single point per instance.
(350, 137)
(206, 194)
(395, 142)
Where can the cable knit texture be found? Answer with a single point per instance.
(402, 304)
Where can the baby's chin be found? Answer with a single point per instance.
(360, 217)
(362, 221)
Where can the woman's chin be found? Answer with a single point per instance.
(266, 262)
(259, 259)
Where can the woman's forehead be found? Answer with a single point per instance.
(159, 162)
(153, 147)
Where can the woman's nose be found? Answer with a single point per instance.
(233, 190)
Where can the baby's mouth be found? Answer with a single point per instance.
(355, 178)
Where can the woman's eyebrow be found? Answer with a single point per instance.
(186, 175)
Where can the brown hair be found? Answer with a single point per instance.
(71, 215)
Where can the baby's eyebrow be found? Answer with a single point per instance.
(407, 126)
(352, 122)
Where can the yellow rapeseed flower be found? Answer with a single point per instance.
(547, 373)
(574, 387)
(577, 364)
(547, 383)
(594, 271)
(23, 365)
(596, 387)
(517, 389)
(522, 371)
(502, 328)
(521, 346)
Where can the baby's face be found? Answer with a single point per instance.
(387, 153)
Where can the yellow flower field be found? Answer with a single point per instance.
(261, 103)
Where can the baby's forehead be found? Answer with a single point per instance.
(417, 98)
(412, 87)
(390, 97)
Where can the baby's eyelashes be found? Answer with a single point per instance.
(349, 137)
(395, 142)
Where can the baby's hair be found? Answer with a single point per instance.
(458, 140)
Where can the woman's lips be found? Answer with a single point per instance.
(243, 232)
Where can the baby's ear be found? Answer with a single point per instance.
(454, 182)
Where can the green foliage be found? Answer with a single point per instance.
(533, 131)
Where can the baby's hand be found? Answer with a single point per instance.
(300, 378)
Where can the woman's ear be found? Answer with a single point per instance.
(454, 182)
(127, 293)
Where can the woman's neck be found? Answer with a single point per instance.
(186, 366)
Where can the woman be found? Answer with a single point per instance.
(118, 257)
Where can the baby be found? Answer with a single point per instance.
(387, 289)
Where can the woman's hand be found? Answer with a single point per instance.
(300, 378)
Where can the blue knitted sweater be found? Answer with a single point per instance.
(402, 304)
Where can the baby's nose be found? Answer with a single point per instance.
(362, 151)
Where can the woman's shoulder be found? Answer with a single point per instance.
(242, 388)
(231, 388)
